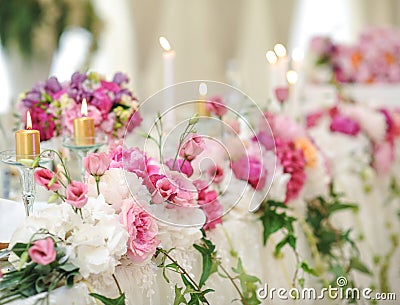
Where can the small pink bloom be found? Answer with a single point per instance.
(250, 169)
(282, 93)
(76, 194)
(216, 173)
(343, 124)
(215, 105)
(212, 208)
(187, 168)
(42, 251)
(109, 86)
(313, 118)
(166, 189)
(192, 147)
(96, 164)
(43, 177)
(383, 157)
(142, 230)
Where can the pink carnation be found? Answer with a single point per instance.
(215, 105)
(142, 230)
(250, 169)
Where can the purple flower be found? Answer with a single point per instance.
(120, 78)
(265, 140)
(343, 124)
(52, 85)
(31, 98)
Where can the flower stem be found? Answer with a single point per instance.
(116, 282)
(242, 298)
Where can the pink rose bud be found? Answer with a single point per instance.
(47, 179)
(216, 106)
(42, 251)
(76, 194)
(282, 93)
(193, 146)
(96, 164)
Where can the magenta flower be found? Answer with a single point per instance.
(215, 105)
(42, 251)
(76, 194)
(293, 163)
(187, 168)
(343, 124)
(192, 147)
(96, 164)
(250, 169)
(43, 176)
(142, 230)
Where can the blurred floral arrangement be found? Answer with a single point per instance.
(35, 27)
(374, 58)
(54, 106)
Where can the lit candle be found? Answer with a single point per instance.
(168, 62)
(272, 72)
(283, 63)
(201, 108)
(84, 127)
(292, 78)
(27, 141)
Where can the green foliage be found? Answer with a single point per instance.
(21, 21)
(248, 284)
(275, 218)
(107, 301)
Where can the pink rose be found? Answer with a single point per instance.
(343, 124)
(192, 147)
(282, 93)
(216, 106)
(96, 164)
(142, 230)
(187, 168)
(76, 194)
(43, 177)
(42, 251)
(250, 169)
(166, 189)
(215, 173)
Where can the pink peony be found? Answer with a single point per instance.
(343, 124)
(43, 176)
(192, 147)
(250, 169)
(216, 106)
(142, 230)
(42, 251)
(215, 173)
(76, 194)
(187, 168)
(282, 93)
(96, 164)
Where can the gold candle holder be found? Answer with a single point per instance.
(27, 141)
(201, 108)
(84, 131)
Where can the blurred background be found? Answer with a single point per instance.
(222, 40)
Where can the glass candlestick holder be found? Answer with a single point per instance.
(84, 146)
(26, 174)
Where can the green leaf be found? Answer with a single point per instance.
(272, 222)
(307, 269)
(179, 298)
(53, 198)
(24, 258)
(68, 267)
(336, 206)
(355, 263)
(107, 301)
(209, 266)
(20, 248)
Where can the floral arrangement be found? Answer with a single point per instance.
(372, 59)
(54, 106)
(36, 27)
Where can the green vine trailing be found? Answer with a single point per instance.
(192, 292)
(275, 217)
(335, 245)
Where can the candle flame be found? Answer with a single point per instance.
(203, 89)
(165, 43)
(271, 57)
(292, 77)
(28, 120)
(280, 50)
(84, 109)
